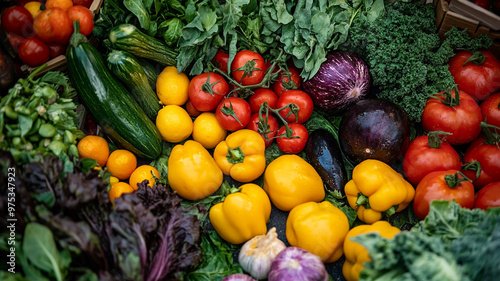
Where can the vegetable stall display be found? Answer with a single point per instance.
(254, 140)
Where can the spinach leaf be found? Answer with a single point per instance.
(41, 250)
(172, 31)
(218, 261)
(318, 121)
(139, 10)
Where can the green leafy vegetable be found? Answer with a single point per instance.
(38, 117)
(148, 235)
(448, 245)
(138, 8)
(407, 60)
(172, 32)
(218, 261)
(41, 251)
(306, 30)
(340, 202)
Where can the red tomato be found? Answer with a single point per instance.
(53, 26)
(442, 185)
(473, 77)
(248, 68)
(427, 154)
(220, 60)
(56, 49)
(84, 17)
(207, 90)
(260, 96)
(191, 110)
(33, 52)
(299, 98)
(15, 40)
(462, 120)
(233, 113)
(18, 20)
(488, 157)
(294, 143)
(85, 3)
(263, 127)
(287, 81)
(490, 108)
(269, 64)
(488, 196)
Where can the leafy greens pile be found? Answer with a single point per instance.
(149, 235)
(407, 60)
(305, 30)
(452, 243)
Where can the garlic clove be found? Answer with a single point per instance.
(257, 254)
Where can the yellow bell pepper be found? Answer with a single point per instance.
(356, 254)
(242, 215)
(289, 181)
(319, 228)
(192, 172)
(242, 155)
(376, 188)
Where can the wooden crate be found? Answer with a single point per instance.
(59, 63)
(446, 19)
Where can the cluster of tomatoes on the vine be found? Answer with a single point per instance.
(39, 30)
(459, 159)
(250, 93)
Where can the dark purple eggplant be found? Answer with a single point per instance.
(323, 152)
(374, 129)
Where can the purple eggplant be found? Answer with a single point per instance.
(374, 129)
(323, 152)
(342, 80)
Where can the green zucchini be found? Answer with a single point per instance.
(128, 37)
(151, 72)
(130, 72)
(119, 115)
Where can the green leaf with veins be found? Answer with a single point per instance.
(139, 10)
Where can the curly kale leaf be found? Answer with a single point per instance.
(407, 60)
(449, 244)
(408, 256)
